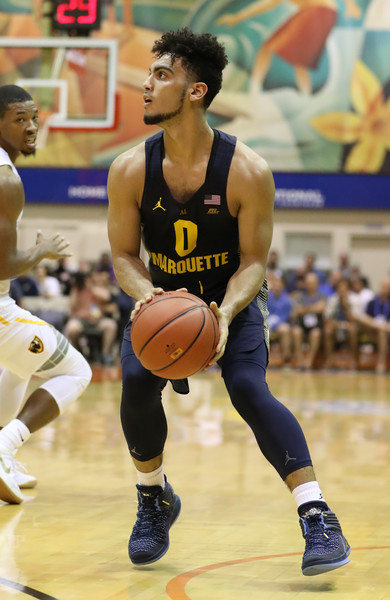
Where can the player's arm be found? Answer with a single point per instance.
(251, 188)
(125, 188)
(14, 262)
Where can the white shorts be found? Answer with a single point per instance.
(27, 344)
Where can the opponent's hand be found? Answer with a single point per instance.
(54, 247)
(223, 322)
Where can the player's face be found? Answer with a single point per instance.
(19, 128)
(165, 90)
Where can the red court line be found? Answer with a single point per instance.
(176, 586)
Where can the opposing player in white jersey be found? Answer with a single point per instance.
(28, 345)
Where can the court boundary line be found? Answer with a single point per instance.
(25, 589)
(176, 587)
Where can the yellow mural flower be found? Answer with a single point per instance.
(368, 128)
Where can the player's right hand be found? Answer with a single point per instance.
(54, 247)
(147, 298)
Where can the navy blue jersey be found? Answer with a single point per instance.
(192, 244)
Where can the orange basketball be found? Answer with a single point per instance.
(175, 335)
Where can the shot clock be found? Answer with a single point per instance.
(78, 16)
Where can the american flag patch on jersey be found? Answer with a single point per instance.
(214, 199)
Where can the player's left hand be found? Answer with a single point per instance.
(54, 247)
(223, 333)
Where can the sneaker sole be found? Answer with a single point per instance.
(325, 567)
(7, 494)
(176, 513)
(28, 486)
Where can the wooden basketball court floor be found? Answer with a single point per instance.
(238, 535)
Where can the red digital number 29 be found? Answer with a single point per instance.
(88, 6)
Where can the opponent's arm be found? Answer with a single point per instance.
(125, 189)
(251, 186)
(14, 262)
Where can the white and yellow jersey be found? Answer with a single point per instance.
(5, 160)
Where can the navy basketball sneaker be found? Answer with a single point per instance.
(326, 547)
(158, 509)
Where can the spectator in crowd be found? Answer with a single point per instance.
(361, 295)
(273, 269)
(377, 320)
(340, 325)
(48, 286)
(28, 284)
(297, 277)
(279, 307)
(309, 266)
(16, 292)
(329, 287)
(344, 265)
(105, 264)
(296, 283)
(355, 271)
(84, 267)
(64, 275)
(92, 312)
(308, 319)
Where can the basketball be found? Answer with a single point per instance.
(175, 335)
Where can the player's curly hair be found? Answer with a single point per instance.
(202, 56)
(9, 94)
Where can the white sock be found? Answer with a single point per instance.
(155, 477)
(13, 436)
(308, 492)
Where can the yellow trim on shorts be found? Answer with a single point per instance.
(3, 321)
(20, 320)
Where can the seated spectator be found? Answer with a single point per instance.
(92, 311)
(84, 267)
(377, 320)
(28, 285)
(340, 325)
(105, 264)
(354, 272)
(16, 292)
(48, 286)
(64, 275)
(308, 318)
(344, 265)
(296, 283)
(273, 269)
(329, 287)
(279, 307)
(308, 266)
(49, 304)
(361, 295)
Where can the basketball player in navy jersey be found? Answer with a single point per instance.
(204, 204)
(28, 345)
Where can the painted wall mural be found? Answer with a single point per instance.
(307, 85)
